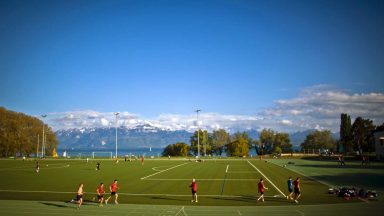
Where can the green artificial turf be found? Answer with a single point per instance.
(225, 187)
(221, 182)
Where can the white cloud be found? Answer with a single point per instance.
(286, 122)
(104, 122)
(317, 107)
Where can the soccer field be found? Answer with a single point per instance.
(221, 182)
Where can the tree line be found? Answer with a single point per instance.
(20, 134)
(236, 145)
(356, 136)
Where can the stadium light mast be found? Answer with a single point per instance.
(43, 138)
(116, 114)
(198, 132)
(37, 147)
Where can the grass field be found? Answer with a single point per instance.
(230, 184)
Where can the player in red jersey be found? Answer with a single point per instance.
(100, 194)
(296, 189)
(261, 188)
(193, 186)
(142, 160)
(113, 188)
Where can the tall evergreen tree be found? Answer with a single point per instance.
(345, 144)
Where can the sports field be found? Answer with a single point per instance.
(230, 184)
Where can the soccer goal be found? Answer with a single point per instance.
(102, 155)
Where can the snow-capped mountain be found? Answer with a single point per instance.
(140, 136)
(145, 135)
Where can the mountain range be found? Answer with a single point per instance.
(140, 136)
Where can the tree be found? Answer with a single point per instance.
(238, 148)
(282, 141)
(270, 140)
(219, 139)
(362, 134)
(177, 149)
(345, 133)
(266, 140)
(319, 140)
(204, 141)
(19, 132)
(278, 150)
(256, 145)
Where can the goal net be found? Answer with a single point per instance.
(101, 155)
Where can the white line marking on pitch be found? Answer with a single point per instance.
(300, 212)
(312, 178)
(241, 172)
(364, 200)
(267, 179)
(181, 210)
(129, 194)
(163, 171)
(159, 179)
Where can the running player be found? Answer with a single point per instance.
(296, 187)
(79, 196)
(100, 194)
(142, 160)
(261, 190)
(113, 188)
(290, 188)
(98, 166)
(37, 166)
(193, 186)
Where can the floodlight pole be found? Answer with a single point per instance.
(116, 114)
(43, 138)
(198, 132)
(37, 148)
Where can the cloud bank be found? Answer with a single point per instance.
(317, 107)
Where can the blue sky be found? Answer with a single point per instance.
(235, 59)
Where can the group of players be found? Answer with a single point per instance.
(100, 194)
(293, 189)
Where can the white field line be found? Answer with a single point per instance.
(131, 194)
(33, 167)
(241, 172)
(163, 171)
(34, 191)
(184, 212)
(157, 168)
(312, 178)
(300, 213)
(160, 179)
(267, 179)
(181, 210)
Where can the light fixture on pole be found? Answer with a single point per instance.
(43, 138)
(116, 114)
(198, 132)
